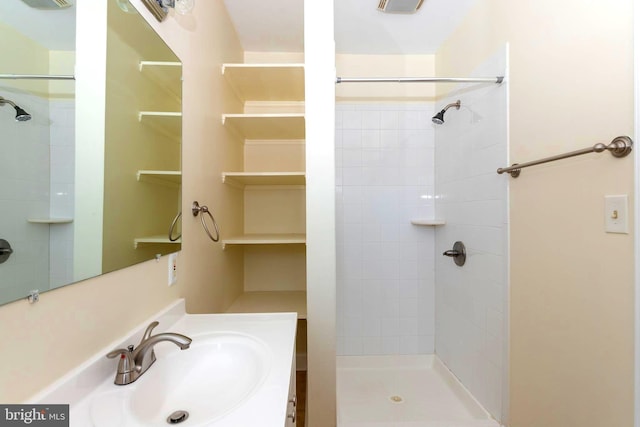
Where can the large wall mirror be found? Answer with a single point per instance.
(133, 198)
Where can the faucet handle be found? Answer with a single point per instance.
(126, 372)
(147, 332)
(120, 351)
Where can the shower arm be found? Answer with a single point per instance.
(6, 101)
(453, 104)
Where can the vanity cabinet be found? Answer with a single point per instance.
(292, 402)
(271, 128)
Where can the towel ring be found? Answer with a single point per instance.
(173, 225)
(196, 209)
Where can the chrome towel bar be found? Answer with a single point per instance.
(619, 147)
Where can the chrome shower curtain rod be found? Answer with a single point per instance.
(36, 77)
(497, 80)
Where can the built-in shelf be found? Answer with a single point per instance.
(166, 74)
(266, 82)
(168, 122)
(266, 239)
(170, 178)
(266, 126)
(154, 240)
(428, 222)
(263, 178)
(271, 302)
(50, 220)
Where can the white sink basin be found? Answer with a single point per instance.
(235, 373)
(208, 380)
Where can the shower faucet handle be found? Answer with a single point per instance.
(458, 253)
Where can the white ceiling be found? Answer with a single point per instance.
(277, 25)
(53, 29)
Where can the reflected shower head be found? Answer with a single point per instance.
(21, 115)
(439, 118)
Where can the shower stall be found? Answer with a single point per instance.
(37, 200)
(420, 339)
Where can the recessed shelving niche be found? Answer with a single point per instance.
(272, 129)
(275, 126)
(263, 178)
(266, 82)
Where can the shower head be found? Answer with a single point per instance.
(439, 118)
(21, 115)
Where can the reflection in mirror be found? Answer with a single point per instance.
(38, 205)
(142, 145)
(36, 198)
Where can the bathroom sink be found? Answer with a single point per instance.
(236, 372)
(214, 376)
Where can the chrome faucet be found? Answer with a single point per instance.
(135, 361)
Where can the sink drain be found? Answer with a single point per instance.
(177, 417)
(396, 399)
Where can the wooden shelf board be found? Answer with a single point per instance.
(266, 82)
(271, 302)
(263, 178)
(266, 239)
(169, 122)
(267, 126)
(171, 178)
(167, 74)
(159, 239)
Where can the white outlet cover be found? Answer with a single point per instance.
(173, 269)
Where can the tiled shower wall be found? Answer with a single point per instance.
(385, 178)
(24, 194)
(471, 300)
(62, 146)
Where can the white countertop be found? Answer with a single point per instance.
(266, 406)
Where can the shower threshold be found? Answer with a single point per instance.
(404, 391)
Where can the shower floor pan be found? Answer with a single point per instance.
(404, 391)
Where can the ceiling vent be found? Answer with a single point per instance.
(48, 4)
(399, 6)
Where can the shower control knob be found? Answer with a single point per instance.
(458, 253)
(5, 250)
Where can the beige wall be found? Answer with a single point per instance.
(571, 285)
(384, 66)
(22, 55)
(62, 62)
(70, 324)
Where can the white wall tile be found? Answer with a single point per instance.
(382, 256)
(25, 151)
(352, 119)
(62, 167)
(470, 300)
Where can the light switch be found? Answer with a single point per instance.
(616, 214)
